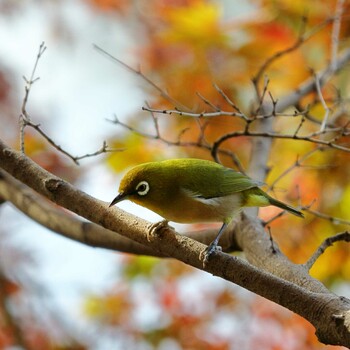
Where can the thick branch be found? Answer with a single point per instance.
(71, 226)
(258, 250)
(310, 85)
(247, 234)
(54, 218)
(332, 327)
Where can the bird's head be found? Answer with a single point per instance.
(141, 185)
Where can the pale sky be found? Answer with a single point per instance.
(78, 89)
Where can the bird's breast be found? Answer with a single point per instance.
(192, 209)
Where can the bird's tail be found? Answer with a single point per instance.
(286, 207)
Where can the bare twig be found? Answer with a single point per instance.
(300, 125)
(323, 102)
(274, 104)
(273, 249)
(132, 129)
(139, 73)
(207, 102)
(334, 57)
(202, 125)
(293, 98)
(49, 139)
(222, 113)
(180, 112)
(178, 143)
(301, 39)
(297, 164)
(235, 160)
(273, 218)
(332, 219)
(328, 242)
(217, 111)
(104, 149)
(229, 101)
(25, 119)
(308, 138)
(336, 31)
(155, 123)
(262, 97)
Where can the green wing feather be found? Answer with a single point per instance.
(222, 182)
(233, 182)
(207, 179)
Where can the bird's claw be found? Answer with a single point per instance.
(156, 229)
(208, 251)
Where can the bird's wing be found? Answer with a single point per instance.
(218, 182)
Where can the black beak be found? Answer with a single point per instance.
(121, 196)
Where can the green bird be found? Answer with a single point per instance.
(193, 191)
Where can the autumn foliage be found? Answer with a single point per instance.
(198, 52)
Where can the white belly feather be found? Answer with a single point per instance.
(222, 209)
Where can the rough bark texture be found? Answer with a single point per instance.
(273, 276)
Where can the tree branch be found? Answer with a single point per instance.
(25, 120)
(264, 128)
(311, 138)
(71, 226)
(139, 73)
(308, 86)
(328, 242)
(55, 219)
(332, 328)
(301, 39)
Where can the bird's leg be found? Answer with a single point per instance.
(156, 229)
(213, 246)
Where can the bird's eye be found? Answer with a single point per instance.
(142, 188)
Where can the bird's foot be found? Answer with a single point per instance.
(208, 251)
(156, 229)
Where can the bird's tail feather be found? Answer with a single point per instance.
(286, 207)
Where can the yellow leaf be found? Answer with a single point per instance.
(137, 150)
(198, 24)
(93, 307)
(345, 203)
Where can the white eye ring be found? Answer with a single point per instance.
(142, 188)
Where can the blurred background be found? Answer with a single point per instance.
(59, 294)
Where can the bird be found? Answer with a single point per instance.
(189, 190)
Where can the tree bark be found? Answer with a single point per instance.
(274, 276)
